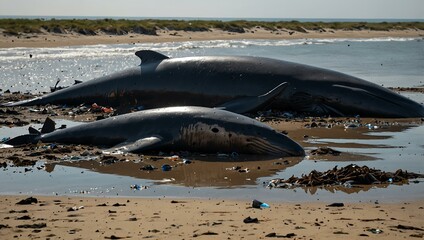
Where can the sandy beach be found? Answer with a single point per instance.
(163, 218)
(72, 39)
(74, 217)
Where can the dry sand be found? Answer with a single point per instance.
(138, 218)
(56, 40)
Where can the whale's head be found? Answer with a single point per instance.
(273, 143)
(361, 98)
(375, 101)
(226, 137)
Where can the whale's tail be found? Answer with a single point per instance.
(33, 135)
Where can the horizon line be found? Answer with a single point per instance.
(205, 18)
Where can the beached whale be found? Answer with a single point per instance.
(195, 129)
(236, 83)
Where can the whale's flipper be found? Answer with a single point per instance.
(249, 104)
(140, 145)
(149, 56)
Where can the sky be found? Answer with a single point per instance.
(360, 9)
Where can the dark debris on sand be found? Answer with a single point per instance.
(351, 174)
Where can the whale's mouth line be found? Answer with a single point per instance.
(261, 146)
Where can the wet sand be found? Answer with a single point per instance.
(72, 39)
(164, 218)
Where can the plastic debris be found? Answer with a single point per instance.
(75, 208)
(173, 158)
(375, 230)
(259, 204)
(97, 108)
(351, 125)
(166, 167)
(138, 187)
(371, 127)
(167, 180)
(186, 161)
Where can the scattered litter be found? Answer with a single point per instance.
(138, 187)
(238, 169)
(173, 158)
(371, 127)
(186, 161)
(97, 108)
(351, 125)
(250, 220)
(75, 208)
(166, 167)
(259, 204)
(167, 180)
(114, 152)
(336, 205)
(375, 230)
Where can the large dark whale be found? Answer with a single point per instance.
(195, 129)
(236, 83)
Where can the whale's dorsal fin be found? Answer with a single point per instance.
(149, 56)
(48, 126)
(249, 104)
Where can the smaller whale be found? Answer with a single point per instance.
(194, 129)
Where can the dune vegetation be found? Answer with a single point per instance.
(151, 26)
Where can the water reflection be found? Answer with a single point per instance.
(201, 172)
(390, 148)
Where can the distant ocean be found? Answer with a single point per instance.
(223, 19)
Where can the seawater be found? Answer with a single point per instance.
(391, 62)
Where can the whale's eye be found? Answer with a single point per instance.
(215, 130)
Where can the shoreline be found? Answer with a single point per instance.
(43, 40)
(160, 218)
